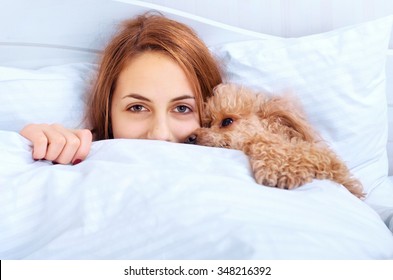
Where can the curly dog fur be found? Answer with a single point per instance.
(283, 149)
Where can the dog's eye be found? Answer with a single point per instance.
(226, 122)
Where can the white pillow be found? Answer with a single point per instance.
(48, 95)
(339, 77)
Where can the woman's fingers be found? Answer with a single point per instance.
(58, 144)
(85, 136)
(59, 139)
(35, 133)
(63, 144)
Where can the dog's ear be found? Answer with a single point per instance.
(284, 115)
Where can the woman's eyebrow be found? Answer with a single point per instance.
(136, 96)
(140, 97)
(182, 97)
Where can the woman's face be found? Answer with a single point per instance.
(153, 100)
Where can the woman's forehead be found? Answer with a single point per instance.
(152, 74)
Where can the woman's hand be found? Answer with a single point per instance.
(58, 144)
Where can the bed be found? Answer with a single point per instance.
(143, 199)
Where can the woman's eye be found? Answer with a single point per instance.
(182, 109)
(226, 122)
(136, 108)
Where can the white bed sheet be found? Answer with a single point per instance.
(141, 199)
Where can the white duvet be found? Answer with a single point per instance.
(140, 199)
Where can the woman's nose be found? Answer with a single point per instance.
(160, 130)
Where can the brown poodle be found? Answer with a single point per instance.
(283, 149)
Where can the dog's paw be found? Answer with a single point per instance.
(285, 182)
(268, 180)
(291, 182)
(281, 182)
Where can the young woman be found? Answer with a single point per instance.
(153, 78)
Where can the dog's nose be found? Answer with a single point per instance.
(191, 139)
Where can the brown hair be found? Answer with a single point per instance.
(150, 32)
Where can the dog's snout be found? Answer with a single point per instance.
(191, 139)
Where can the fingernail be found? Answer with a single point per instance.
(77, 161)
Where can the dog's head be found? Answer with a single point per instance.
(229, 118)
(235, 117)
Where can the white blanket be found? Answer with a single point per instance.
(140, 199)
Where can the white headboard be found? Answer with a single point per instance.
(47, 32)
